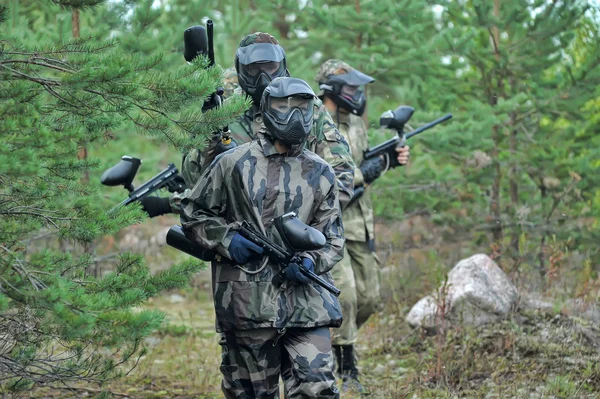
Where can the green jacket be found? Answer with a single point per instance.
(358, 217)
(324, 140)
(253, 182)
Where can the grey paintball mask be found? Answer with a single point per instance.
(257, 64)
(287, 106)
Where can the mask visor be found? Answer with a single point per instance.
(282, 108)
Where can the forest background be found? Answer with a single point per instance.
(515, 174)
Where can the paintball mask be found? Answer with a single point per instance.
(257, 64)
(347, 90)
(287, 106)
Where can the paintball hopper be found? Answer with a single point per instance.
(397, 118)
(122, 173)
(297, 235)
(195, 41)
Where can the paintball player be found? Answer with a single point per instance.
(266, 330)
(357, 275)
(230, 82)
(258, 60)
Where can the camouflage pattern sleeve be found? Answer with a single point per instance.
(201, 211)
(330, 145)
(192, 166)
(175, 200)
(327, 218)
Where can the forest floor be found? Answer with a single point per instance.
(529, 355)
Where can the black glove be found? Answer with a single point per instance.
(155, 206)
(243, 250)
(211, 103)
(359, 191)
(292, 271)
(371, 169)
(176, 185)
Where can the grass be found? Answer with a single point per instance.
(183, 357)
(529, 355)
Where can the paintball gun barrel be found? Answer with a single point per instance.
(176, 238)
(124, 172)
(296, 235)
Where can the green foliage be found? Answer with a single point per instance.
(515, 172)
(59, 321)
(520, 154)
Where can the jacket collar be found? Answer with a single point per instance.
(269, 149)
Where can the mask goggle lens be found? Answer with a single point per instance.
(270, 68)
(351, 93)
(282, 107)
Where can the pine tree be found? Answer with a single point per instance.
(58, 323)
(513, 169)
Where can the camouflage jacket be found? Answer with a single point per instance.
(358, 217)
(195, 161)
(253, 182)
(324, 141)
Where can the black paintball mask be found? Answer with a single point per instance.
(256, 65)
(287, 106)
(347, 90)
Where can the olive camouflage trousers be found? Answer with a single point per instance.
(253, 360)
(357, 276)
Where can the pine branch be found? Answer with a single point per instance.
(32, 62)
(43, 81)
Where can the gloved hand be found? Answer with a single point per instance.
(155, 206)
(176, 185)
(371, 169)
(243, 250)
(210, 103)
(293, 273)
(359, 191)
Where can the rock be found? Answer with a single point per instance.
(380, 369)
(423, 313)
(176, 298)
(152, 341)
(160, 238)
(478, 292)
(531, 302)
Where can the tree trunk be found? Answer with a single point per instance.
(82, 153)
(75, 23)
(541, 255)
(495, 202)
(359, 43)
(513, 184)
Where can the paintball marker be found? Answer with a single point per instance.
(396, 120)
(124, 172)
(296, 235)
(387, 150)
(198, 40)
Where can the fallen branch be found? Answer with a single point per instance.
(90, 390)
